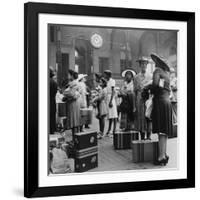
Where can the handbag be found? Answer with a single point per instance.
(149, 107)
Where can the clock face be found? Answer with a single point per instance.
(96, 40)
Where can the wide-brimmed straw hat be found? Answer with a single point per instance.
(160, 62)
(128, 70)
(81, 76)
(142, 59)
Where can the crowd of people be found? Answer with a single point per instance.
(146, 102)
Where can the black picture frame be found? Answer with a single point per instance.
(31, 12)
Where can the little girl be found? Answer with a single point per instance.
(100, 100)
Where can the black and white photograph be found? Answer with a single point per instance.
(109, 100)
(113, 97)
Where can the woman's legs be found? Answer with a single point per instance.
(142, 134)
(81, 128)
(75, 130)
(109, 125)
(162, 146)
(114, 125)
(102, 124)
(149, 128)
(73, 133)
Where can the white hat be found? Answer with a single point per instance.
(128, 70)
(81, 76)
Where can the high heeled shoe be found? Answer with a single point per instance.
(167, 158)
(161, 162)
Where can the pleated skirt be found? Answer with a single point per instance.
(162, 115)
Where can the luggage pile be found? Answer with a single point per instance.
(142, 150)
(86, 151)
(123, 139)
(145, 151)
(59, 162)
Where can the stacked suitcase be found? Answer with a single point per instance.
(144, 151)
(86, 151)
(55, 140)
(123, 139)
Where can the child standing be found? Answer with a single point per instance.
(102, 107)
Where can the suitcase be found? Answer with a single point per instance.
(144, 151)
(68, 147)
(123, 139)
(86, 116)
(84, 140)
(62, 109)
(86, 159)
(55, 140)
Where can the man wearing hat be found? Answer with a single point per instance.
(111, 102)
(142, 79)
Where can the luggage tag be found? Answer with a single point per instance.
(161, 82)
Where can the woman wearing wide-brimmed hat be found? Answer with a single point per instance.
(142, 79)
(162, 110)
(127, 106)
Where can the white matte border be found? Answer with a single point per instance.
(114, 176)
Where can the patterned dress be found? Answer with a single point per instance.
(141, 80)
(72, 93)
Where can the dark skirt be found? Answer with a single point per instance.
(162, 115)
(127, 121)
(52, 108)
